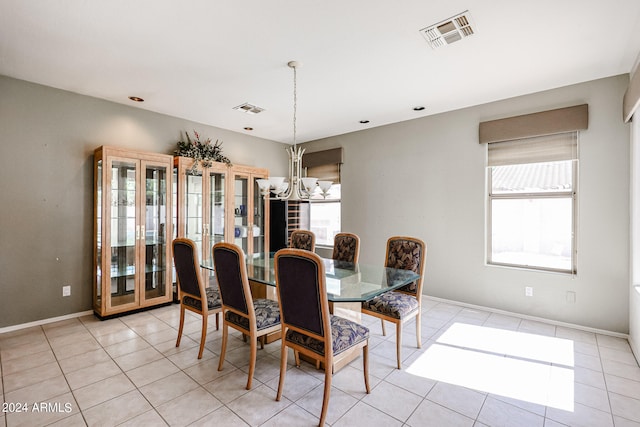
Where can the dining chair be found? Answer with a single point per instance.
(192, 293)
(303, 239)
(307, 325)
(254, 318)
(346, 247)
(405, 303)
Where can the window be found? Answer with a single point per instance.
(325, 211)
(325, 216)
(532, 189)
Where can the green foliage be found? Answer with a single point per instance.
(204, 152)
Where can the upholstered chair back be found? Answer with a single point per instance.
(303, 239)
(346, 247)
(407, 253)
(185, 258)
(302, 292)
(231, 271)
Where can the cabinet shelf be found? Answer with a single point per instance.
(118, 272)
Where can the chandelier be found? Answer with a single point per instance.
(296, 187)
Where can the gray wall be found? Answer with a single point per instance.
(426, 178)
(47, 138)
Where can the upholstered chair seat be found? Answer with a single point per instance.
(213, 300)
(267, 315)
(344, 335)
(393, 304)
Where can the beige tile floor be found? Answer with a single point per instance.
(475, 368)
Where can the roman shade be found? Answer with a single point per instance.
(548, 148)
(324, 165)
(550, 122)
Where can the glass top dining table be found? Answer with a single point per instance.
(346, 281)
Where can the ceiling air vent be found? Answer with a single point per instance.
(248, 108)
(449, 31)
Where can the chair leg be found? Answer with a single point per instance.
(203, 336)
(384, 333)
(283, 370)
(252, 361)
(225, 332)
(399, 342)
(296, 355)
(365, 362)
(217, 321)
(181, 325)
(328, 374)
(418, 326)
(262, 339)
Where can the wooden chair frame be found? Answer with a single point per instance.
(418, 296)
(252, 332)
(205, 312)
(328, 359)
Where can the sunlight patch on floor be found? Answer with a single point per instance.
(510, 343)
(475, 357)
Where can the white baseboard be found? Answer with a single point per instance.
(44, 321)
(634, 349)
(534, 318)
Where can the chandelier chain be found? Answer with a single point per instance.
(295, 104)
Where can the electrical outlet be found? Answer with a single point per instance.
(571, 297)
(66, 291)
(528, 291)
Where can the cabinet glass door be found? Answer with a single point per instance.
(98, 242)
(154, 232)
(217, 199)
(241, 223)
(258, 229)
(123, 232)
(193, 208)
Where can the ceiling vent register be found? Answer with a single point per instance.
(248, 108)
(449, 31)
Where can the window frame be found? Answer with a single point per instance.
(563, 194)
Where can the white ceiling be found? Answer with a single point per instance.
(362, 59)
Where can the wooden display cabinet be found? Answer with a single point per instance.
(202, 205)
(220, 203)
(133, 222)
(250, 225)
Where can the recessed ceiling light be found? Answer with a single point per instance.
(419, 108)
(136, 99)
(248, 128)
(364, 122)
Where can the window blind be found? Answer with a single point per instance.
(324, 165)
(329, 172)
(548, 148)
